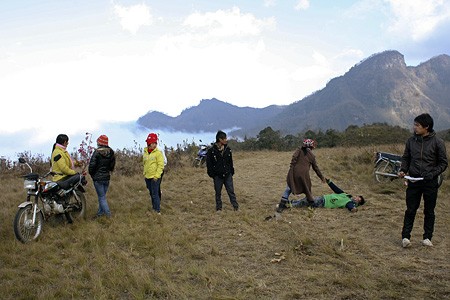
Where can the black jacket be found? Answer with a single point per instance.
(219, 163)
(424, 156)
(102, 164)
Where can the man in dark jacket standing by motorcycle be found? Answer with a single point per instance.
(101, 165)
(219, 164)
(425, 157)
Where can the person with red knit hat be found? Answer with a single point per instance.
(153, 161)
(101, 165)
(102, 140)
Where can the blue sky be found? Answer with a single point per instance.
(74, 66)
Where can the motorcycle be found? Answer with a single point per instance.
(56, 199)
(200, 159)
(387, 166)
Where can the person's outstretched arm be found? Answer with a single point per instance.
(334, 187)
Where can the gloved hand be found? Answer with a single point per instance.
(428, 176)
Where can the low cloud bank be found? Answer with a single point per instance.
(121, 136)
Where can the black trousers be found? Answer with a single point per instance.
(69, 181)
(429, 190)
(228, 182)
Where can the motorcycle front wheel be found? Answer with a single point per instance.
(196, 163)
(25, 229)
(203, 163)
(77, 208)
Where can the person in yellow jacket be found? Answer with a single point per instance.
(153, 160)
(62, 163)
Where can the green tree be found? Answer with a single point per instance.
(331, 138)
(290, 142)
(269, 139)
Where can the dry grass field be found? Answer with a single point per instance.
(192, 252)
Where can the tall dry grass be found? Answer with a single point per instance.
(191, 252)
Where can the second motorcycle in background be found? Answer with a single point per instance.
(200, 159)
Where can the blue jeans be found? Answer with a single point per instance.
(318, 202)
(153, 187)
(228, 182)
(101, 187)
(286, 194)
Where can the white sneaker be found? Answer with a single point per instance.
(427, 242)
(406, 243)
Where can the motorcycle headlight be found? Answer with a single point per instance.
(29, 184)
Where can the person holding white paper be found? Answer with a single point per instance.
(424, 158)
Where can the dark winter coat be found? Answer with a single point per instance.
(298, 178)
(219, 163)
(424, 156)
(102, 164)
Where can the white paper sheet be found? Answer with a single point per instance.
(413, 178)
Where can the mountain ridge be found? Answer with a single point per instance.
(210, 115)
(379, 89)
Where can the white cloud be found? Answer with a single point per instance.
(270, 3)
(76, 93)
(302, 5)
(350, 54)
(225, 23)
(320, 69)
(418, 18)
(325, 67)
(363, 9)
(132, 18)
(233, 72)
(176, 72)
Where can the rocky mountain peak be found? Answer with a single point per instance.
(386, 60)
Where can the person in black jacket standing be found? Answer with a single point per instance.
(101, 165)
(424, 158)
(219, 164)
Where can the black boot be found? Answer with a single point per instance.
(282, 205)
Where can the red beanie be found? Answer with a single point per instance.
(102, 140)
(151, 138)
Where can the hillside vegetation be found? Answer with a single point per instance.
(192, 252)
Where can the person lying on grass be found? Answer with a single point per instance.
(339, 199)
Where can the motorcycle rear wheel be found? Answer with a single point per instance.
(24, 229)
(384, 167)
(78, 208)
